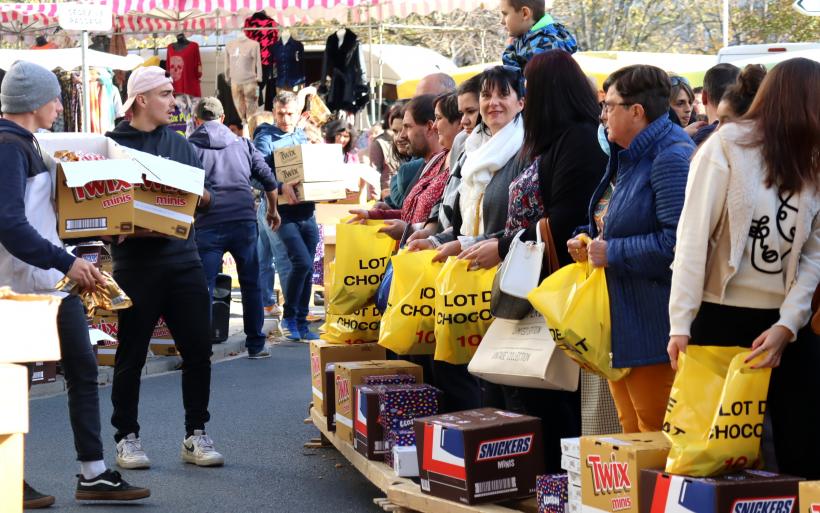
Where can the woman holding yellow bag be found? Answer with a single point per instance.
(748, 252)
(633, 217)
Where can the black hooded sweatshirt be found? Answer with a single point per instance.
(147, 252)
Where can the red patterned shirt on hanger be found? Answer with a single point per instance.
(185, 67)
(265, 38)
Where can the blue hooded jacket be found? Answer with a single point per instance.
(230, 162)
(544, 36)
(268, 138)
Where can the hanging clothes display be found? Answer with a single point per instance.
(185, 66)
(343, 64)
(290, 64)
(243, 68)
(223, 94)
(71, 88)
(263, 29)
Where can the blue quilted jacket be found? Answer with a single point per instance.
(550, 36)
(639, 227)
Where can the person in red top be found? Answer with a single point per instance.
(419, 128)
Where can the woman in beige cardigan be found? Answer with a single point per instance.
(747, 259)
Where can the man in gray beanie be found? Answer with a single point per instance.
(33, 260)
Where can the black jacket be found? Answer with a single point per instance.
(568, 174)
(147, 252)
(347, 88)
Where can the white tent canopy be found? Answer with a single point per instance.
(399, 62)
(69, 58)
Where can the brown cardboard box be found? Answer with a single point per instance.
(43, 372)
(103, 331)
(323, 353)
(28, 327)
(166, 201)
(349, 374)
(13, 400)
(93, 197)
(749, 491)
(610, 469)
(308, 163)
(810, 497)
(476, 456)
(11, 473)
(318, 191)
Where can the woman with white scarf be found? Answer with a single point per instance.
(480, 211)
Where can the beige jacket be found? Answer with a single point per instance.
(724, 180)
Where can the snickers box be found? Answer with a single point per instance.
(390, 379)
(476, 456)
(810, 497)
(322, 353)
(96, 253)
(750, 491)
(551, 492)
(610, 469)
(43, 372)
(351, 374)
(399, 405)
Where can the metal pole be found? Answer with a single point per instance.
(86, 88)
(370, 73)
(725, 23)
(381, 73)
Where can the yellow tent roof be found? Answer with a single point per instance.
(600, 65)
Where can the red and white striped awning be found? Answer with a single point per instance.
(145, 16)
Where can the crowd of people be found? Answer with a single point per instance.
(702, 209)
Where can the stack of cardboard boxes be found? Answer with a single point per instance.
(571, 462)
(28, 333)
(319, 169)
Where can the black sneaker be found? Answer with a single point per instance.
(108, 486)
(32, 499)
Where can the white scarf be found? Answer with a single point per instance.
(485, 156)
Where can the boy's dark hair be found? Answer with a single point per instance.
(536, 6)
(717, 79)
(644, 85)
(448, 105)
(421, 109)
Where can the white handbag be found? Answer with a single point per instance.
(522, 267)
(523, 353)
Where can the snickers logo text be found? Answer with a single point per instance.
(768, 505)
(504, 448)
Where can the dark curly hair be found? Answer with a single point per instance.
(338, 126)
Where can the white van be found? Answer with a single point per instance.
(769, 53)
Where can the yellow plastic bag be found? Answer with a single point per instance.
(409, 321)
(575, 302)
(462, 310)
(361, 257)
(360, 327)
(714, 419)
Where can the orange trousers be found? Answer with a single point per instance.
(641, 397)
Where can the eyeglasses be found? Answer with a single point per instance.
(676, 81)
(609, 107)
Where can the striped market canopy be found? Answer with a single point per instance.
(145, 16)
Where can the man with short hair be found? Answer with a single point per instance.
(298, 233)
(230, 163)
(435, 84)
(717, 79)
(163, 276)
(33, 260)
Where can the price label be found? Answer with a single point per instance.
(91, 17)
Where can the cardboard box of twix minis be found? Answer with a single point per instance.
(317, 166)
(104, 188)
(810, 497)
(482, 455)
(749, 491)
(323, 353)
(351, 374)
(611, 467)
(94, 197)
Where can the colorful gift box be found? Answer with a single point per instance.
(397, 438)
(399, 405)
(390, 379)
(552, 493)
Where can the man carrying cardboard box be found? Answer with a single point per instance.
(299, 232)
(163, 276)
(230, 164)
(32, 259)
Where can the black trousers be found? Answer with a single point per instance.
(179, 293)
(461, 389)
(80, 369)
(794, 402)
(267, 88)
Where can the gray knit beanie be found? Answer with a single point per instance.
(27, 87)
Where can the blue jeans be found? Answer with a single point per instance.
(239, 239)
(300, 239)
(270, 250)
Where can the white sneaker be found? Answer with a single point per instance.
(199, 450)
(130, 454)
